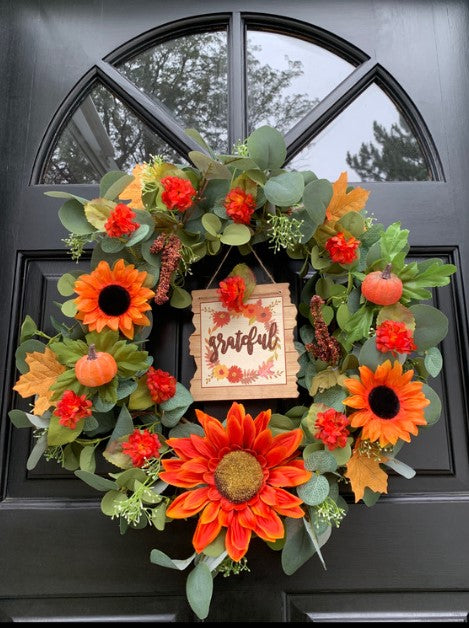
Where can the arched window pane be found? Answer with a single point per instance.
(189, 76)
(102, 135)
(287, 77)
(370, 140)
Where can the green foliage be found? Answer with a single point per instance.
(284, 190)
(73, 218)
(199, 589)
(267, 148)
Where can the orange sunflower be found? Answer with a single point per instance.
(114, 298)
(388, 404)
(235, 477)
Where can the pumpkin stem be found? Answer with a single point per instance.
(92, 353)
(386, 274)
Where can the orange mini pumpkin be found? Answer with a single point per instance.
(382, 287)
(95, 369)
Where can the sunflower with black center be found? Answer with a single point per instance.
(115, 298)
(388, 405)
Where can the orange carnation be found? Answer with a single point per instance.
(394, 336)
(232, 291)
(140, 446)
(239, 205)
(162, 385)
(120, 222)
(71, 408)
(178, 193)
(341, 250)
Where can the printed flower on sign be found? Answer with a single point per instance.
(341, 250)
(162, 385)
(235, 374)
(141, 446)
(331, 428)
(71, 408)
(263, 314)
(239, 205)
(394, 336)
(234, 478)
(114, 298)
(250, 310)
(221, 318)
(120, 222)
(220, 371)
(231, 292)
(178, 193)
(388, 404)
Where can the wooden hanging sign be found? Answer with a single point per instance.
(246, 355)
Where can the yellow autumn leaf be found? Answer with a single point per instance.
(98, 211)
(343, 202)
(326, 379)
(44, 368)
(363, 472)
(133, 192)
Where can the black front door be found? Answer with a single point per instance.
(379, 90)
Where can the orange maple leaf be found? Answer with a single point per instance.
(343, 202)
(44, 368)
(363, 472)
(133, 192)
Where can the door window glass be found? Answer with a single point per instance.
(287, 77)
(102, 135)
(189, 76)
(370, 140)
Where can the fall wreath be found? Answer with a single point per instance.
(366, 347)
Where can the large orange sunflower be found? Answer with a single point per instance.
(234, 476)
(114, 298)
(389, 405)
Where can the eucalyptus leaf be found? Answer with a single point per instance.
(113, 183)
(66, 285)
(180, 298)
(267, 147)
(28, 346)
(371, 357)
(110, 502)
(96, 481)
(400, 467)
(284, 190)
(211, 224)
(39, 448)
(298, 546)
(235, 234)
(19, 418)
(142, 233)
(315, 490)
(433, 411)
(73, 218)
(87, 459)
(199, 590)
(124, 424)
(431, 326)
(158, 557)
(112, 245)
(433, 361)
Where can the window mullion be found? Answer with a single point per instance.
(237, 80)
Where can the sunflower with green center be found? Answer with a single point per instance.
(234, 477)
(389, 406)
(114, 298)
